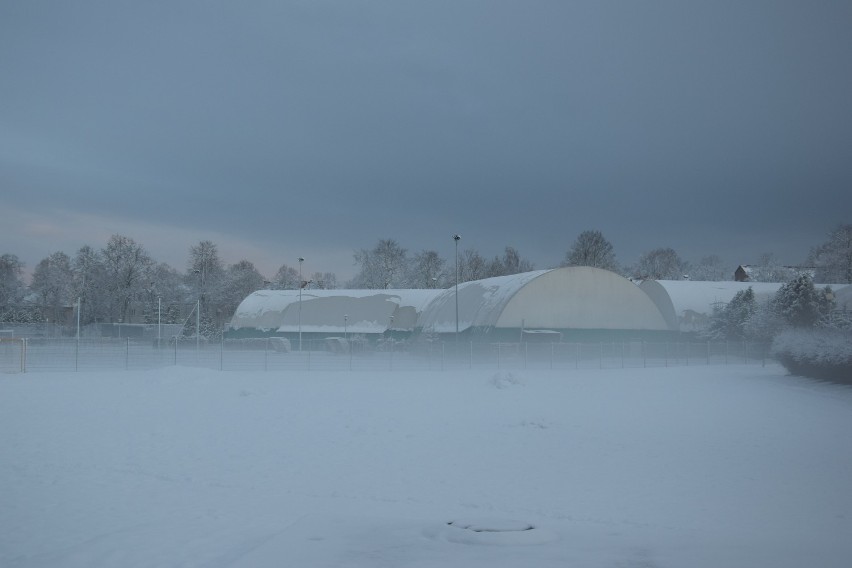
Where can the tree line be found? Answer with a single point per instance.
(121, 282)
(829, 262)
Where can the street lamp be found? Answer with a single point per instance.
(198, 310)
(457, 238)
(346, 327)
(301, 260)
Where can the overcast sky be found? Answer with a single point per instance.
(312, 128)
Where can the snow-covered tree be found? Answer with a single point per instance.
(241, 279)
(324, 281)
(205, 274)
(800, 304)
(126, 266)
(660, 264)
(768, 269)
(511, 263)
(383, 266)
(764, 324)
(472, 266)
(428, 270)
(90, 285)
(53, 283)
(833, 258)
(12, 288)
(732, 321)
(165, 295)
(287, 278)
(710, 269)
(591, 249)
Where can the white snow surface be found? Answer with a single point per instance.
(701, 467)
(332, 311)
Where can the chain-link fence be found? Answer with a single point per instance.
(274, 354)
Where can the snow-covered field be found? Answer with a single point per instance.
(668, 467)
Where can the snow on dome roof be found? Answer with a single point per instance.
(332, 311)
(480, 302)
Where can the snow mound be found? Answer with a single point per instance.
(491, 532)
(492, 525)
(505, 380)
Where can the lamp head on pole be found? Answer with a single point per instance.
(456, 237)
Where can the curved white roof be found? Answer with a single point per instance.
(480, 302)
(332, 311)
(576, 297)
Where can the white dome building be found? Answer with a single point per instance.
(568, 300)
(576, 302)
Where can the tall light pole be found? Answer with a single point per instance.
(457, 238)
(301, 260)
(198, 309)
(346, 327)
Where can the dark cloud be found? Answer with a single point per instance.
(720, 128)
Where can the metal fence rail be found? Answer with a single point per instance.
(58, 354)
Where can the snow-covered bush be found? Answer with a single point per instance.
(818, 353)
(730, 322)
(800, 304)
